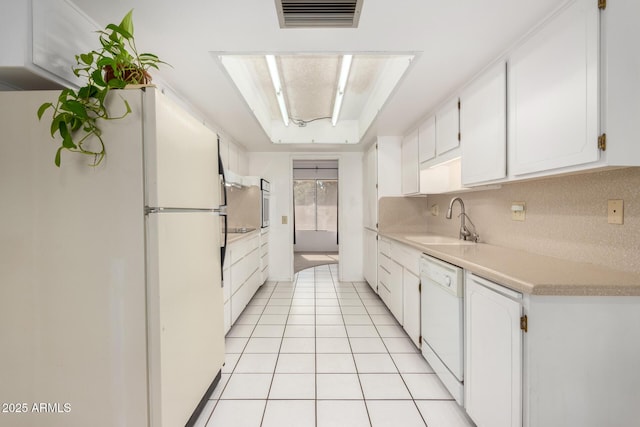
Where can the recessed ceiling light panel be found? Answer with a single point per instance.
(305, 89)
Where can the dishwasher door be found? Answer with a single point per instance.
(442, 312)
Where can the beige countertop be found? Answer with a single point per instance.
(234, 237)
(530, 273)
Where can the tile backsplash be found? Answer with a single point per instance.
(566, 217)
(243, 207)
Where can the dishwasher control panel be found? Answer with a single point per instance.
(442, 273)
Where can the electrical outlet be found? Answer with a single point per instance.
(285, 219)
(518, 211)
(435, 210)
(615, 211)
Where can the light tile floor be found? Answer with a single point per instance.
(322, 353)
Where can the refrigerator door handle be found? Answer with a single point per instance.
(221, 172)
(223, 250)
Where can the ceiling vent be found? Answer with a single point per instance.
(319, 13)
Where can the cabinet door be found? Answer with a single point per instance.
(233, 158)
(411, 305)
(370, 188)
(553, 93)
(483, 127)
(410, 166)
(395, 287)
(370, 257)
(447, 127)
(224, 152)
(493, 368)
(427, 140)
(243, 161)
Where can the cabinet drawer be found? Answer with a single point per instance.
(384, 277)
(242, 270)
(385, 295)
(384, 247)
(240, 248)
(386, 262)
(407, 257)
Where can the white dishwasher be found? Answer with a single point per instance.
(442, 318)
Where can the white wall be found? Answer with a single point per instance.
(277, 168)
(315, 241)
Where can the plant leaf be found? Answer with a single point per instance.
(103, 62)
(67, 142)
(64, 94)
(127, 23)
(55, 124)
(97, 78)
(118, 31)
(43, 108)
(87, 58)
(57, 159)
(117, 83)
(76, 108)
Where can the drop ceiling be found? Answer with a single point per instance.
(308, 103)
(452, 40)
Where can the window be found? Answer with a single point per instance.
(316, 204)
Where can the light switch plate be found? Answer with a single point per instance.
(435, 210)
(615, 212)
(285, 220)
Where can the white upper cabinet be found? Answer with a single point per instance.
(42, 38)
(427, 140)
(233, 158)
(382, 176)
(410, 165)
(483, 127)
(553, 93)
(448, 127)
(620, 92)
(224, 152)
(370, 213)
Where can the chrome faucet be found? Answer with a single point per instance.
(465, 233)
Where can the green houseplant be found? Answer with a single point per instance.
(77, 113)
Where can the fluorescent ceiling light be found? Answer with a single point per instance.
(314, 82)
(277, 86)
(342, 83)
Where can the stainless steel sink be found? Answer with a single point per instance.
(438, 240)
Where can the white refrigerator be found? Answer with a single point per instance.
(111, 309)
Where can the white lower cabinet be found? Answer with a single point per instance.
(399, 284)
(493, 367)
(242, 276)
(264, 255)
(390, 284)
(371, 257)
(226, 291)
(411, 305)
(574, 365)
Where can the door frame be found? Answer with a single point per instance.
(335, 156)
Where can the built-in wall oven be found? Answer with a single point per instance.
(265, 188)
(442, 311)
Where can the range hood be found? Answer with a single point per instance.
(235, 180)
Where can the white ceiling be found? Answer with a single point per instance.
(453, 39)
